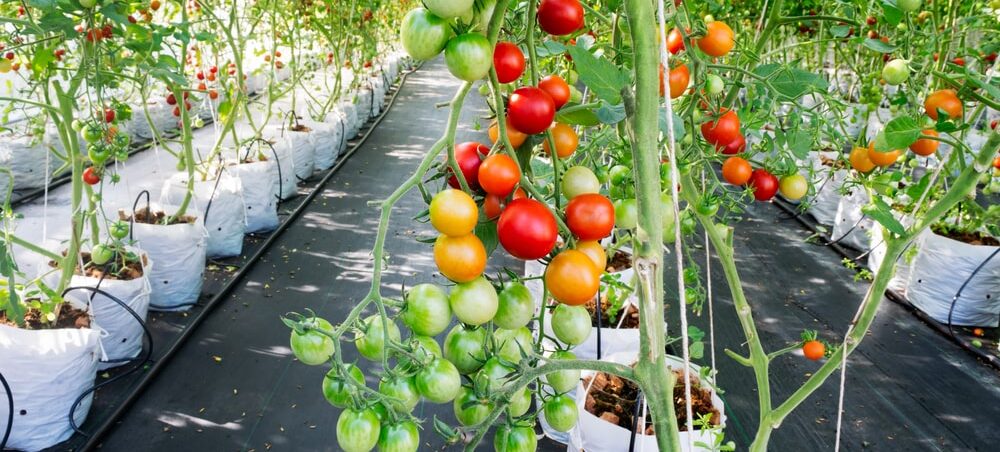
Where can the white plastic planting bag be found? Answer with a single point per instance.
(26, 157)
(941, 267)
(595, 434)
(851, 226)
(300, 145)
(286, 185)
(223, 211)
(179, 251)
(326, 143)
(47, 371)
(259, 180)
(351, 121)
(902, 276)
(161, 115)
(378, 94)
(336, 120)
(365, 97)
(122, 340)
(827, 199)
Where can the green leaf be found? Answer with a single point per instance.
(799, 142)
(891, 13)
(791, 82)
(41, 60)
(678, 124)
(696, 349)
(840, 31)
(487, 233)
(899, 133)
(879, 211)
(600, 75)
(611, 114)
(550, 48)
(580, 117)
(879, 46)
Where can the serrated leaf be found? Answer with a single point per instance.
(799, 142)
(899, 133)
(611, 114)
(603, 78)
(879, 211)
(879, 46)
(696, 350)
(41, 60)
(791, 82)
(580, 117)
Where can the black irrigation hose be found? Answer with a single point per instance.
(277, 162)
(131, 219)
(899, 299)
(598, 311)
(160, 364)
(954, 300)
(139, 361)
(635, 421)
(10, 414)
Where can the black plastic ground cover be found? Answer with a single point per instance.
(906, 388)
(234, 384)
(170, 330)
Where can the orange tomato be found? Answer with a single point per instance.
(679, 78)
(565, 139)
(519, 194)
(596, 253)
(814, 350)
(718, 39)
(882, 159)
(736, 170)
(925, 146)
(453, 213)
(571, 278)
(860, 160)
(492, 206)
(460, 259)
(515, 137)
(945, 100)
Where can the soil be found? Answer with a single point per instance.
(620, 261)
(69, 317)
(158, 217)
(835, 164)
(300, 128)
(631, 315)
(132, 270)
(972, 238)
(613, 399)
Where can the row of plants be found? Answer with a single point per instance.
(248, 99)
(623, 128)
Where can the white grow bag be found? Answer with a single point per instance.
(901, 278)
(364, 104)
(828, 182)
(351, 122)
(941, 267)
(122, 340)
(224, 212)
(298, 144)
(326, 143)
(160, 114)
(47, 371)
(378, 87)
(337, 120)
(850, 225)
(26, 157)
(595, 434)
(179, 251)
(259, 181)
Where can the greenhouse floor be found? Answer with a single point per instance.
(235, 386)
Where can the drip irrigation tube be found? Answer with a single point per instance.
(10, 413)
(901, 300)
(94, 439)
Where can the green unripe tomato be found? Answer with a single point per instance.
(571, 78)
(118, 229)
(101, 254)
(575, 95)
(908, 5)
(484, 90)
(626, 213)
(88, 4)
(619, 173)
(579, 180)
(714, 84)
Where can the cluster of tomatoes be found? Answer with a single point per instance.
(7, 62)
(103, 139)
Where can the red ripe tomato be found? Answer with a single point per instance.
(468, 157)
(556, 88)
(530, 110)
(492, 206)
(679, 78)
(590, 216)
(675, 41)
(499, 174)
(560, 17)
(90, 177)
(723, 130)
(508, 60)
(109, 115)
(171, 100)
(734, 147)
(519, 194)
(764, 183)
(527, 230)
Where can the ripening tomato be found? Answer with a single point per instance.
(945, 100)
(492, 206)
(596, 253)
(527, 229)
(860, 160)
(764, 184)
(718, 39)
(814, 350)
(738, 145)
(723, 130)
(468, 157)
(508, 60)
(572, 278)
(453, 213)
(675, 41)
(925, 146)
(680, 76)
(590, 216)
(882, 159)
(565, 138)
(515, 136)
(556, 88)
(560, 17)
(736, 170)
(519, 194)
(793, 186)
(499, 174)
(460, 259)
(531, 110)
(90, 176)
(423, 34)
